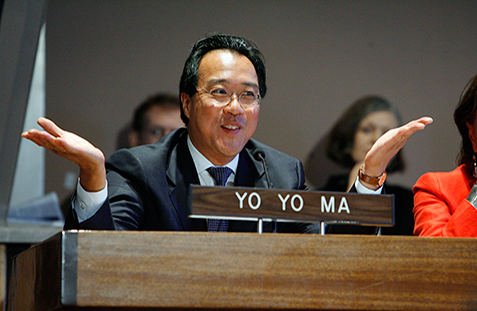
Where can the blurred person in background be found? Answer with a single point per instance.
(347, 144)
(154, 118)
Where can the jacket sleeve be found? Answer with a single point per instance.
(123, 210)
(435, 215)
(101, 220)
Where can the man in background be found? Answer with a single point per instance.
(154, 118)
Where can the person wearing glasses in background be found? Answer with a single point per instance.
(146, 188)
(155, 117)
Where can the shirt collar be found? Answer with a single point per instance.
(202, 163)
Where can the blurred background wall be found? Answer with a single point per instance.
(104, 57)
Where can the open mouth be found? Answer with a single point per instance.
(231, 127)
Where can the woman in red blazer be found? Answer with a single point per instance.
(445, 204)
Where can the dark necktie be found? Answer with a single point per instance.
(220, 175)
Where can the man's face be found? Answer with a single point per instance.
(219, 131)
(160, 122)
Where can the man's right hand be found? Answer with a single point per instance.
(388, 145)
(74, 148)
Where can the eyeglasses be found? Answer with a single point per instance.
(222, 96)
(155, 131)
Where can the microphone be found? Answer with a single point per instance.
(259, 155)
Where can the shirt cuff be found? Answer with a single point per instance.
(363, 190)
(86, 204)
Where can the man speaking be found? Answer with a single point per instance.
(146, 188)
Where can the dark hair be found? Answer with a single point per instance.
(161, 99)
(343, 132)
(464, 113)
(190, 73)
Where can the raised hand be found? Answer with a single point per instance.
(389, 144)
(74, 148)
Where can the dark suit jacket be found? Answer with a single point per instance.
(148, 187)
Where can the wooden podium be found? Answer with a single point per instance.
(102, 270)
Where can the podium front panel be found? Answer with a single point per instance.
(270, 271)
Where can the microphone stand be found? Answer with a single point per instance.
(259, 155)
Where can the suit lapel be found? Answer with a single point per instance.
(181, 173)
(250, 174)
